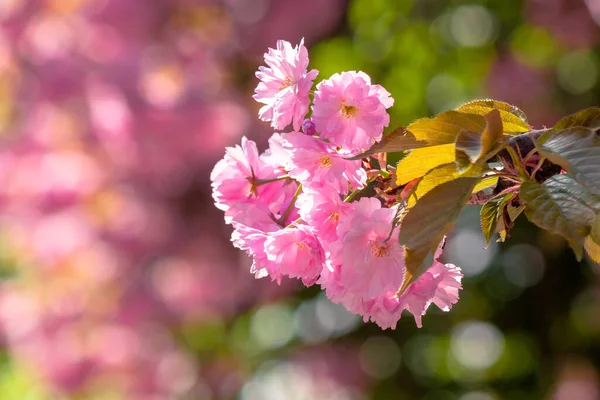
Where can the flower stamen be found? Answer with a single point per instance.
(379, 251)
(325, 162)
(348, 111)
(286, 83)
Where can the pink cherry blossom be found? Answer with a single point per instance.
(364, 265)
(372, 260)
(350, 111)
(366, 268)
(276, 155)
(284, 85)
(232, 176)
(315, 163)
(252, 226)
(296, 252)
(322, 209)
(439, 285)
(293, 251)
(234, 180)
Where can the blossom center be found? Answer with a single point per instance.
(301, 245)
(348, 111)
(325, 162)
(379, 251)
(334, 216)
(253, 189)
(287, 82)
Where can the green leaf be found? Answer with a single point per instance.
(491, 214)
(421, 161)
(513, 119)
(425, 225)
(445, 127)
(589, 118)
(485, 183)
(577, 150)
(473, 147)
(561, 205)
(437, 176)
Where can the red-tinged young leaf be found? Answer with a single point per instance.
(562, 206)
(491, 213)
(577, 150)
(513, 119)
(408, 189)
(589, 118)
(425, 225)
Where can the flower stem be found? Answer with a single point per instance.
(290, 206)
(259, 182)
(351, 196)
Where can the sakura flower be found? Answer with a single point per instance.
(284, 85)
(292, 251)
(366, 268)
(235, 180)
(350, 111)
(322, 209)
(252, 226)
(276, 156)
(439, 285)
(372, 261)
(314, 164)
(296, 252)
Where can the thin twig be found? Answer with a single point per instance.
(288, 210)
(537, 168)
(259, 182)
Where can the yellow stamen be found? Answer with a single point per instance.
(286, 83)
(326, 162)
(349, 111)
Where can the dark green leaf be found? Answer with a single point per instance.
(561, 205)
(577, 150)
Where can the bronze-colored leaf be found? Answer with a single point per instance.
(425, 224)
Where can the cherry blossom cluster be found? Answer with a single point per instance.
(291, 206)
